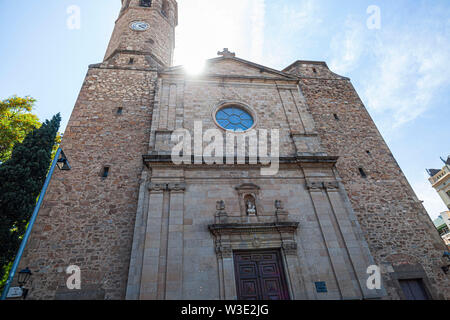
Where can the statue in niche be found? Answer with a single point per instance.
(250, 205)
(220, 205)
(279, 205)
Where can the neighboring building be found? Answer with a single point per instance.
(442, 224)
(440, 180)
(141, 227)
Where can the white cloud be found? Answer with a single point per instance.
(257, 29)
(348, 47)
(206, 27)
(297, 25)
(410, 69)
(302, 16)
(405, 66)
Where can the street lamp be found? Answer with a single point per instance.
(22, 279)
(63, 163)
(24, 276)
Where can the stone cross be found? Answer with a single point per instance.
(226, 53)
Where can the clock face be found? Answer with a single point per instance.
(139, 26)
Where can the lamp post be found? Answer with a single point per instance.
(24, 276)
(63, 164)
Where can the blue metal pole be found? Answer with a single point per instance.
(30, 227)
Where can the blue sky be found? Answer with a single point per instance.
(401, 70)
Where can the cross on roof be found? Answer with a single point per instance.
(226, 53)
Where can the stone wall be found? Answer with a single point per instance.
(87, 220)
(158, 40)
(395, 223)
(175, 256)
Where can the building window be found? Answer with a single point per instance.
(165, 9)
(146, 3)
(234, 118)
(362, 173)
(131, 61)
(105, 172)
(414, 289)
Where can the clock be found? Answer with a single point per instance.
(139, 26)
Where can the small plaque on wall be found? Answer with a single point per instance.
(321, 287)
(14, 292)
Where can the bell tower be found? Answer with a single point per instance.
(145, 28)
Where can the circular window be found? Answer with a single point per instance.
(234, 118)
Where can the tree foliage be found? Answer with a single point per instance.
(21, 180)
(16, 121)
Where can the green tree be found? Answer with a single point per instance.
(16, 121)
(21, 180)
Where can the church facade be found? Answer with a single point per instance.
(140, 226)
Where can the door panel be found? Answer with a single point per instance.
(414, 289)
(260, 276)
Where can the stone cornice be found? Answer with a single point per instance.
(322, 185)
(135, 52)
(209, 76)
(303, 159)
(172, 187)
(252, 228)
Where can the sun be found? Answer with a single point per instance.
(194, 66)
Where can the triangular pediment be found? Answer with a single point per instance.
(235, 67)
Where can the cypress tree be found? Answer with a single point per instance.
(21, 181)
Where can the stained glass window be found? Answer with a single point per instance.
(234, 119)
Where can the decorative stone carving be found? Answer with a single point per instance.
(290, 248)
(314, 185)
(177, 187)
(256, 241)
(224, 251)
(157, 187)
(250, 205)
(318, 185)
(280, 214)
(173, 187)
(247, 187)
(221, 215)
(279, 205)
(220, 205)
(226, 53)
(251, 236)
(332, 185)
(248, 200)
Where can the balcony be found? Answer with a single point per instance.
(442, 175)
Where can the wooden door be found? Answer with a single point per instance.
(260, 275)
(414, 289)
